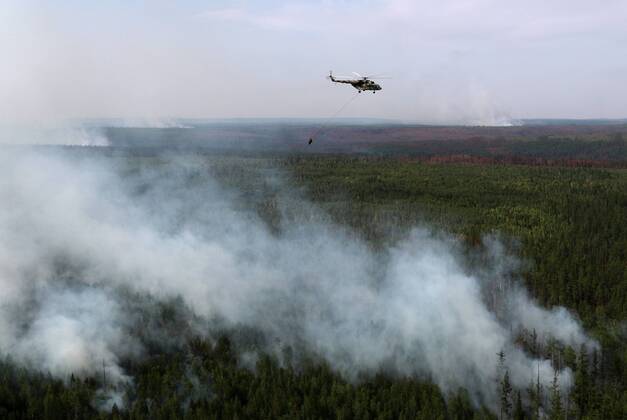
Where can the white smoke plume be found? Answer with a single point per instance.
(167, 230)
(59, 134)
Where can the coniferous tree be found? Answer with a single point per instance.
(535, 396)
(506, 397)
(519, 413)
(581, 390)
(557, 411)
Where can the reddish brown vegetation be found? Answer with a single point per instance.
(518, 160)
(553, 145)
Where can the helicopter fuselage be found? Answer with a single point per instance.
(365, 85)
(359, 84)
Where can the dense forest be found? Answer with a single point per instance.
(567, 224)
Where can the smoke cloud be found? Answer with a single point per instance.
(78, 134)
(86, 243)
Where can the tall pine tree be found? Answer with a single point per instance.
(557, 411)
(581, 390)
(506, 397)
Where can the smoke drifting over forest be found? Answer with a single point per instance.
(88, 245)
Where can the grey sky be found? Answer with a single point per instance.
(469, 61)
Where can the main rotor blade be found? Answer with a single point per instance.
(378, 76)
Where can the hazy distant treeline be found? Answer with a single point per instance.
(570, 145)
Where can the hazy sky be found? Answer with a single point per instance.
(476, 61)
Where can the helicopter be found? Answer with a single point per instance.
(361, 83)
